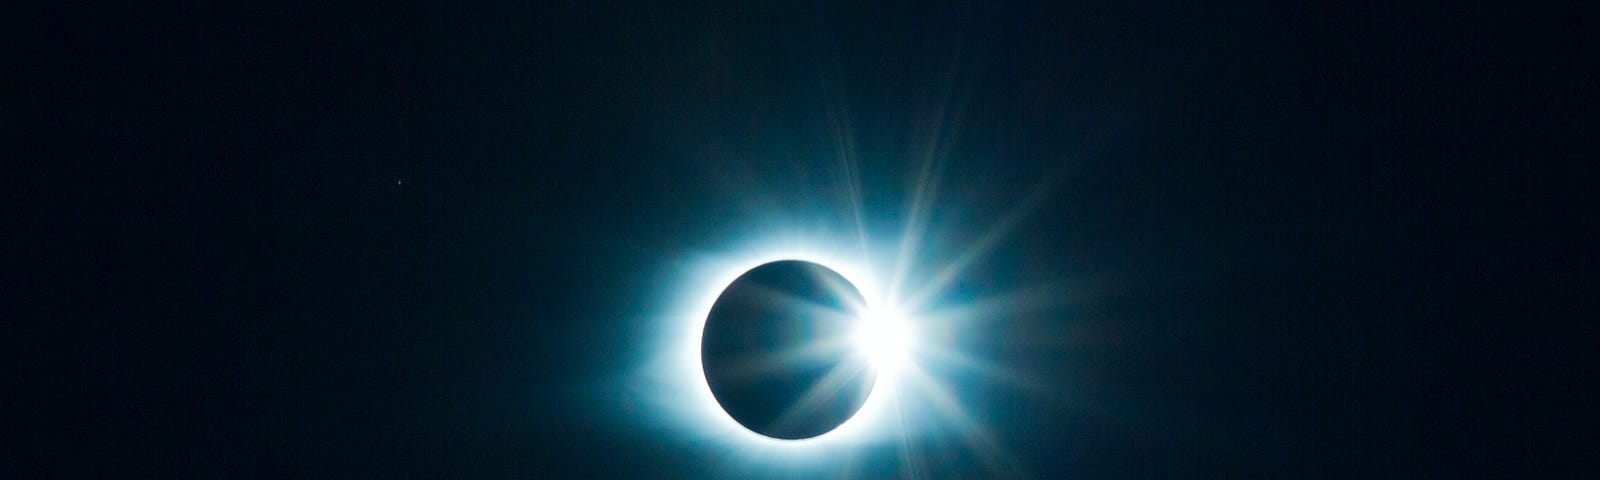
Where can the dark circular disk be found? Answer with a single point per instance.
(776, 350)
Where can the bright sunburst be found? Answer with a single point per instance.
(885, 337)
(911, 344)
(912, 328)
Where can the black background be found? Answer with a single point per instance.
(263, 239)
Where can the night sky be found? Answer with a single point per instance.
(1257, 240)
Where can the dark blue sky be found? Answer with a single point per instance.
(430, 241)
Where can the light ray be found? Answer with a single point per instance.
(819, 392)
(808, 353)
(992, 236)
(910, 396)
(901, 389)
(977, 437)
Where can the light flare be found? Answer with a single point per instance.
(885, 337)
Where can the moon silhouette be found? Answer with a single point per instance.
(777, 354)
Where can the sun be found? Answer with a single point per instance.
(883, 335)
(683, 396)
(903, 329)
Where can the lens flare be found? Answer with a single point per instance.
(912, 329)
(915, 348)
(885, 337)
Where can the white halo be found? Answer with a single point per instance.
(686, 397)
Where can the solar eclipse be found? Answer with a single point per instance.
(785, 350)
